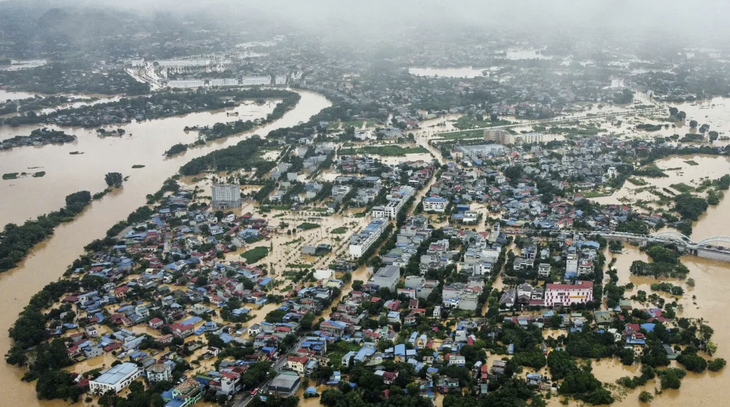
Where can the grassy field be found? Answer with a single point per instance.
(308, 226)
(470, 122)
(386, 151)
(339, 231)
(39, 174)
(692, 162)
(596, 194)
(255, 254)
(682, 187)
(10, 175)
(637, 181)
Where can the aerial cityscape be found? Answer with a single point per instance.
(364, 204)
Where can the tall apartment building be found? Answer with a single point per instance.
(396, 200)
(361, 242)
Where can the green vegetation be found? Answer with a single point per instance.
(243, 155)
(176, 149)
(692, 361)
(10, 175)
(254, 255)
(135, 166)
(645, 397)
(667, 288)
(477, 121)
(386, 151)
(691, 138)
(339, 231)
(308, 226)
(39, 174)
(38, 136)
(665, 263)
(716, 365)
(114, 179)
(682, 187)
(690, 207)
(221, 130)
(73, 77)
(671, 378)
(692, 162)
(17, 241)
(651, 171)
(649, 127)
(637, 181)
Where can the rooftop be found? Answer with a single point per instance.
(117, 373)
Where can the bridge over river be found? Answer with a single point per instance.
(710, 247)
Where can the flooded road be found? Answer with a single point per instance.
(48, 261)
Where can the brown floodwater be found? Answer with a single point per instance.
(48, 261)
(144, 143)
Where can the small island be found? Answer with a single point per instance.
(38, 137)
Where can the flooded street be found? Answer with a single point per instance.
(48, 261)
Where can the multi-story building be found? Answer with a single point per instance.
(567, 294)
(585, 267)
(256, 81)
(226, 196)
(159, 372)
(361, 242)
(396, 200)
(435, 204)
(387, 277)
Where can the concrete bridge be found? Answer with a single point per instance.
(708, 248)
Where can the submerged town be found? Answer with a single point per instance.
(428, 238)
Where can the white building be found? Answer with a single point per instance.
(396, 200)
(362, 241)
(387, 277)
(256, 81)
(115, 379)
(543, 270)
(280, 80)
(435, 204)
(226, 196)
(186, 83)
(567, 294)
(159, 372)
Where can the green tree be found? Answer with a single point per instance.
(645, 397)
(113, 179)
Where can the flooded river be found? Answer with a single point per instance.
(144, 143)
(49, 260)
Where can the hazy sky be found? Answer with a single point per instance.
(700, 18)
